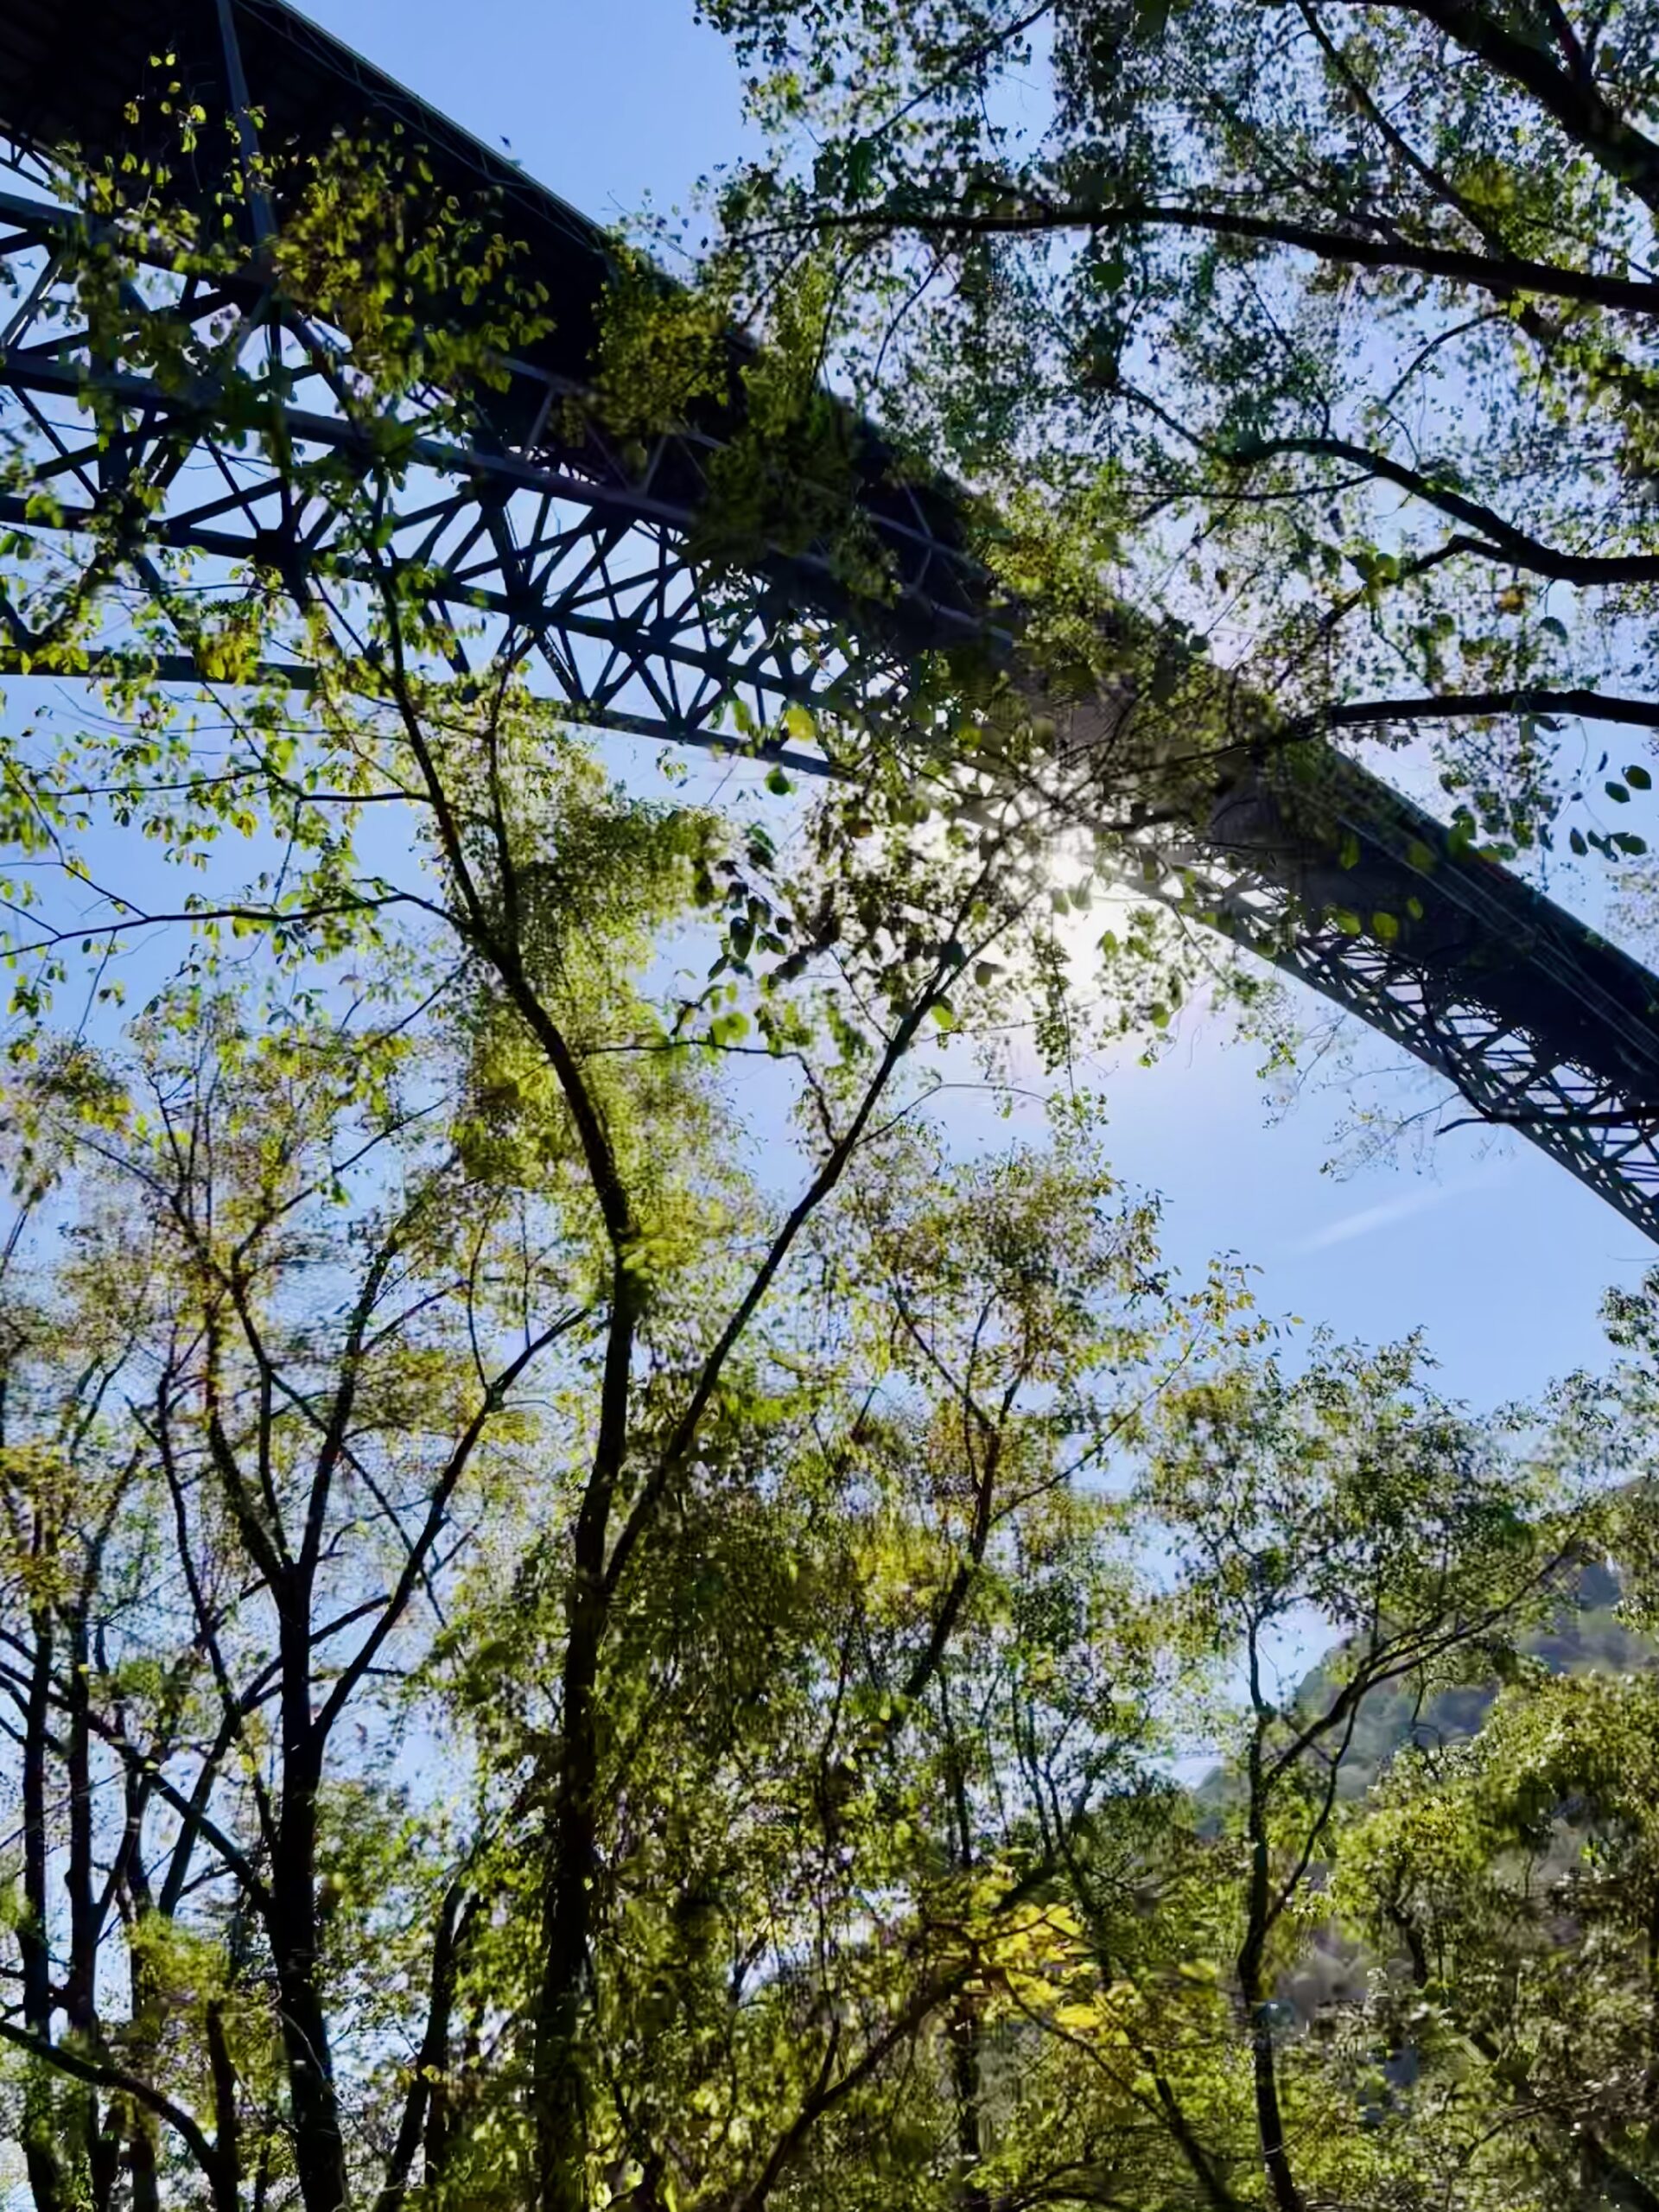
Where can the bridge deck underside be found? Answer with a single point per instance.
(588, 556)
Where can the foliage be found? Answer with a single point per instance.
(888, 1894)
(557, 1653)
(1331, 333)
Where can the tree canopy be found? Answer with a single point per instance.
(1327, 332)
(595, 1608)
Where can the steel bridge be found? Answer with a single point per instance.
(585, 550)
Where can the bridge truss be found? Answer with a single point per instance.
(585, 552)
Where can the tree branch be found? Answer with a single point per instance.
(1512, 276)
(1595, 706)
(99, 2075)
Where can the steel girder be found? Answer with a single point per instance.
(587, 554)
(584, 552)
(1540, 1025)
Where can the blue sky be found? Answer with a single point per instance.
(1498, 1254)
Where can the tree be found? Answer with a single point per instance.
(878, 1645)
(1349, 1491)
(832, 1780)
(764, 1714)
(1194, 2016)
(890, 1896)
(1329, 332)
(249, 1423)
(1505, 1882)
(503, 952)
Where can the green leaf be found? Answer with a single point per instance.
(1637, 778)
(1618, 791)
(859, 167)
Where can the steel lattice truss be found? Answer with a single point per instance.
(1540, 1024)
(581, 553)
(549, 535)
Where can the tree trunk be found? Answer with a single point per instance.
(560, 2022)
(968, 2086)
(42, 2156)
(558, 2073)
(319, 2143)
(1264, 2066)
(102, 2138)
